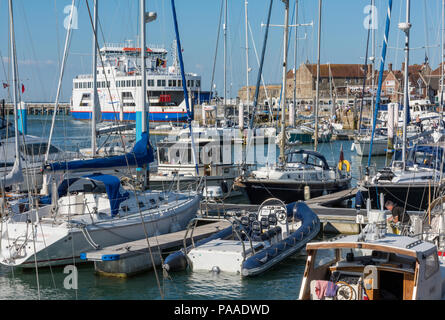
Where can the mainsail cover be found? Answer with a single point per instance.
(15, 176)
(141, 154)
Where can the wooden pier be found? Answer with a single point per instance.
(130, 258)
(39, 108)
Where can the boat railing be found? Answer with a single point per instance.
(237, 228)
(365, 172)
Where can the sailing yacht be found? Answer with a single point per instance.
(415, 173)
(412, 185)
(298, 172)
(94, 210)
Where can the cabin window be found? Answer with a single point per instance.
(36, 149)
(161, 83)
(431, 265)
(151, 83)
(324, 257)
(139, 83)
(133, 83)
(128, 83)
(179, 83)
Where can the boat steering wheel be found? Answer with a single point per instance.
(345, 291)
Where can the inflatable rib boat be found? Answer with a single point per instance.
(253, 243)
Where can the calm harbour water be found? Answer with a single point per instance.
(281, 282)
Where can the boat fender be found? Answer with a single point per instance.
(346, 163)
(175, 262)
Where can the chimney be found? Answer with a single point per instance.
(389, 66)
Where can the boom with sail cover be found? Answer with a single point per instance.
(141, 154)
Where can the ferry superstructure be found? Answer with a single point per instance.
(119, 85)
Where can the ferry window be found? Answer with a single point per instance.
(170, 83)
(133, 83)
(151, 83)
(139, 83)
(198, 83)
(431, 265)
(161, 83)
(108, 84)
(128, 83)
(179, 83)
(127, 95)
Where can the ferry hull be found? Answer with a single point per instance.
(131, 116)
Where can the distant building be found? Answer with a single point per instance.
(342, 83)
(419, 85)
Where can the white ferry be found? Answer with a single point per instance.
(119, 85)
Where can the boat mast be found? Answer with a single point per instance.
(283, 94)
(95, 97)
(442, 62)
(225, 56)
(405, 27)
(45, 190)
(184, 86)
(292, 117)
(14, 79)
(373, 26)
(380, 81)
(141, 111)
(318, 77)
(247, 56)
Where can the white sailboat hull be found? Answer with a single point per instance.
(50, 245)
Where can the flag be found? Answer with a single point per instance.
(341, 154)
(23, 88)
(5, 85)
(160, 63)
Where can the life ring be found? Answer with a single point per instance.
(346, 163)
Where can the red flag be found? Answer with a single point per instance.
(23, 88)
(341, 154)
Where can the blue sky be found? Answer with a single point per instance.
(40, 37)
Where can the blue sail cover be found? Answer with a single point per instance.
(112, 186)
(111, 183)
(141, 154)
